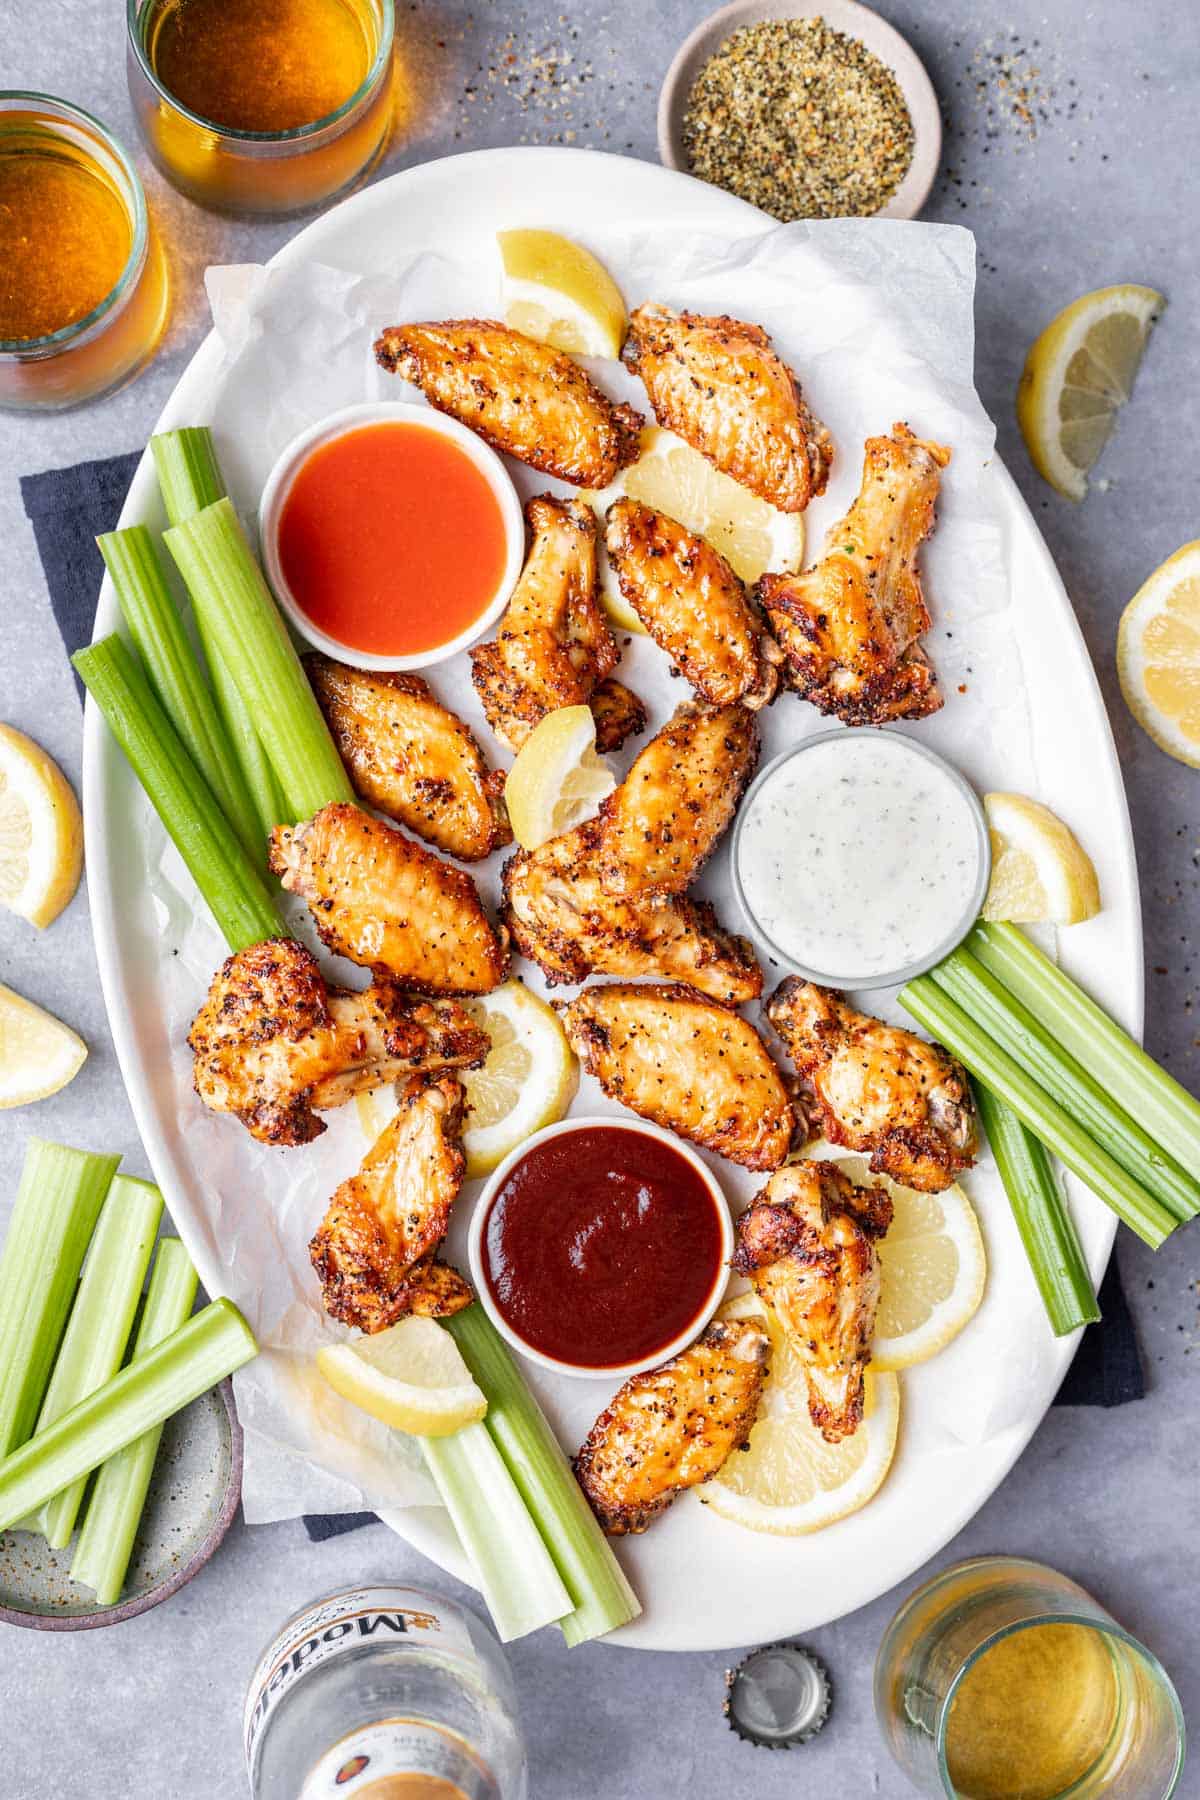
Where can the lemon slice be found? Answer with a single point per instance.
(557, 779)
(1077, 376)
(1040, 871)
(38, 1054)
(528, 1080)
(411, 1376)
(555, 290)
(41, 831)
(1158, 655)
(790, 1481)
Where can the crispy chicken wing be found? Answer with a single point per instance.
(693, 605)
(519, 395)
(686, 1063)
(386, 902)
(618, 713)
(673, 1427)
(272, 1043)
(661, 824)
(718, 384)
(876, 1087)
(562, 918)
(374, 1252)
(851, 627)
(808, 1245)
(412, 758)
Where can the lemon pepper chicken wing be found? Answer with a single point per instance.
(383, 900)
(618, 713)
(674, 1426)
(273, 1044)
(412, 758)
(851, 627)
(718, 383)
(808, 1245)
(876, 1087)
(681, 1060)
(524, 398)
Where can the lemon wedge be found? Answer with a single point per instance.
(38, 1054)
(557, 779)
(790, 1481)
(41, 831)
(1041, 874)
(556, 291)
(411, 1376)
(528, 1080)
(1158, 655)
(1078, 375)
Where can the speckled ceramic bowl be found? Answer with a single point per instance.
(194, 1494)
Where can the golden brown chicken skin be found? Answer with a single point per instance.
(690, 1065)
(693, 605)
(808, 1245)
(522, 397)
(877, 1088)
(618, 713)
(674, 1426)
(374, 1251)
(851, 627)
(718, 383)
(412, 758)
(562, 918)
(273, 1044)
(660, 826)
(386, 902)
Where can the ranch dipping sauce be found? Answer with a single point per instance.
(861, 857)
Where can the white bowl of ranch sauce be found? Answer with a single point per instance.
(860, 858)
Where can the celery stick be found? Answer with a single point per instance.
(57, 1205)
(119, 1496)
(169, 1377)
(601, 1596)
(262, 783)
(189, 475)
(235, 891)
(240, 621)
(101, 1320)
(516, 1576)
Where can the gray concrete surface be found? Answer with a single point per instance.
(1073, 136)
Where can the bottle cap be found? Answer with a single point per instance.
(777, 1696)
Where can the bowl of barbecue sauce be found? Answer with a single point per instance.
(601, 1248)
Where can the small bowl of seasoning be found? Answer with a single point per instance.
(601, 1248)
(860, 858)
(813, 113)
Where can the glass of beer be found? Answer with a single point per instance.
(1001, 1678)
(83, 283)
(262, 106)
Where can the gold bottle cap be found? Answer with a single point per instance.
(777, 1696)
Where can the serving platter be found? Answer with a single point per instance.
(968, 1414)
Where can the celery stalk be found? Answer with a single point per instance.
(100, 1323)
(57, 1205)
(262, 783)
(189, 475)
(235, 891)
(240, 621)
(119, 1496)
(169, 1377)
(601, 1596)
(516, 1576)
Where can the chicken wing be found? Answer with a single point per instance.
(412, 758)
(386, 902)
(693, 605)
(374, 1251)
(673, 1427)
(851, 627)
(522, 397)
(661, 824)
(273, 1044)
(562, 918)
(688, 1064)
(808, 1245)
(876, 1087)
(718, 384)
(618, 713)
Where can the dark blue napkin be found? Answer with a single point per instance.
(68, 508)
